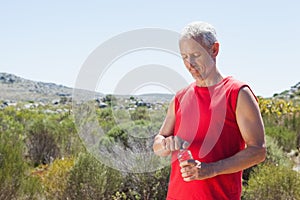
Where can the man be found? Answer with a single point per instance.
(218, 116)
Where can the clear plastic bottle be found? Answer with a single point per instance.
(184, 154)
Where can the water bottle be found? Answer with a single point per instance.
(184, 154)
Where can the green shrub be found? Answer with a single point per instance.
(15, 180)
(12, 167)
(285, 138)
(51, 137)
(55, 178)
(68, 139)
(275, 153)
(275, 156)
(295, 125)
(41, 142)
(106, 119)
(271, 182)
(31, 189)
(89, 179)
(110, 99)
(146, 186)
(140, 113)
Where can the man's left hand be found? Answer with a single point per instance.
(195, 170)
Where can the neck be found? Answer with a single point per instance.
(209, 81)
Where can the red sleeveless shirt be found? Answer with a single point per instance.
(205, 117)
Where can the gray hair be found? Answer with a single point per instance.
(201, 31)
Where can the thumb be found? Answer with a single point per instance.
(185, 144)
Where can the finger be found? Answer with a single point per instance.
(184, 164)
(167, 144)
(164, 144)
(187, 171)
(183, 170)
(190, 178)
(186, 174)
(185, 144)
(182, 144)
(192, 162)
(177, 142)
(188, 168)
(172, 144)
(189, 162)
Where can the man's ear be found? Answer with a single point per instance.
(215, 49)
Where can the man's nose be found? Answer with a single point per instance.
(191, 61)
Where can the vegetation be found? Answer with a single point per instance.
(273, 182)
(43, 157)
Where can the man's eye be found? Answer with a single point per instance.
(197, 55)
(184, 57)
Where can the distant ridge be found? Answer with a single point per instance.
(15, 88)
(292, 94)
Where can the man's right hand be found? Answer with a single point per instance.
(174, 143)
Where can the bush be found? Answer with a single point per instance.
(55, 178)
(51, 137)
(11, 165)
(275, 153)
(140, 113)
(106, 119)
(285, 138)
(41, 143)
(274, 179)
(271, 182)
(90, 179)
(30, 189)
(144, 186)
(68, 139)
(275, 156)
(15, 181)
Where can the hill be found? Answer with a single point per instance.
(291, 94)
(14, 88)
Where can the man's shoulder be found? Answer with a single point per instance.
(234, 86)
(184, 90)
(234, 83)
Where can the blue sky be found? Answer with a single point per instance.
(50, 40)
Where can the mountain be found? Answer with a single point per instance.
(14, 88)
(291, 94)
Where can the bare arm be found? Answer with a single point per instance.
(164, 142)
(251, 126)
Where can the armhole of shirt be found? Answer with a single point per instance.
(176, 104)
(236, 95)
(178, 97)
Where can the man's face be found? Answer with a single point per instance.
(198, 60)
